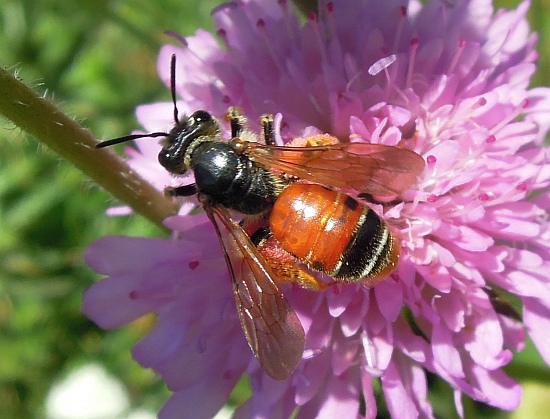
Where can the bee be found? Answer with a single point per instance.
(298, 218)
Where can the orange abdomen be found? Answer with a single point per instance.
(333, 233)
(314, 224)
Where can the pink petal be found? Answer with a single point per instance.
(203, 400)
(536, 318)
(133, 255)
(486, 342)
(352, 318)
(368, 394)
(109, 302)
(344, 353)
(445, 352)
(389, 296)
(497, 388)
(338, 298)
(342, 400)
(398, 395)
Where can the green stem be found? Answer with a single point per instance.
(42, 119)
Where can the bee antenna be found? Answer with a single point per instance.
(129, 138)
(153, 134)
(173, 86)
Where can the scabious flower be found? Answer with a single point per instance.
(447, 79)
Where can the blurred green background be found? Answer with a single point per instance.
(97, 59)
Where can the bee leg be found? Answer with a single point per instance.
(288, 269)
(236, 120)
(284, 265)
(266, 121)
(184, 190)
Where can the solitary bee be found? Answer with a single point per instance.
(305, 221)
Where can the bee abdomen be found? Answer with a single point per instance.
(371, 253)
(333, 233)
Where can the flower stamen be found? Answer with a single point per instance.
(330, 20)
(382, 64)
(517, 111)
(522, 186)
(312, 20)
(222, 34)
(260, 24)
(431, 160)
(483, 197)
(287, 18)
(400, 25)
(458, 54)
(412, 56)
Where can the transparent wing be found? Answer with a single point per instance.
(377, 169)
(270, 325)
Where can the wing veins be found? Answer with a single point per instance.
(271, 327)
(371, 168)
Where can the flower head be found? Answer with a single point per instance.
(448, 80)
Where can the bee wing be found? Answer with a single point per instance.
(377, 169)
(272, 328)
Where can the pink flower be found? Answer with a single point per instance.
(449, 80)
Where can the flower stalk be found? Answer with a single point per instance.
(45, 121)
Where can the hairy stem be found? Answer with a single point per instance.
(45, 121)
